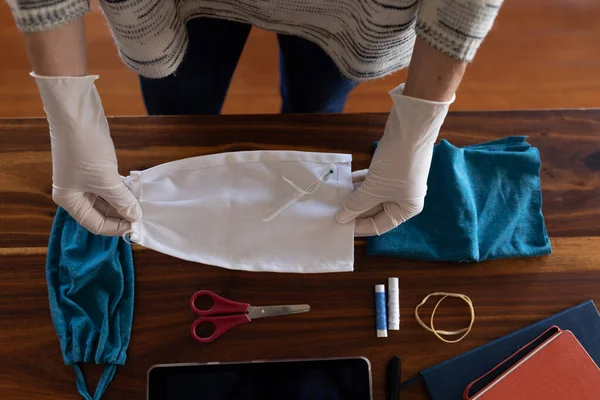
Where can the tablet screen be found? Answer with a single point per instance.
(331, 379)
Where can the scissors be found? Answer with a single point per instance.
(240, 313)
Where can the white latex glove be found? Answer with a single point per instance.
(85, 179)
(393, 189)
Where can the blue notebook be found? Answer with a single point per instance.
(448, 380)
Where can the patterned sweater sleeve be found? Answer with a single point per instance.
(40, 15)
(456, 27)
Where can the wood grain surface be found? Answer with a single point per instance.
(507, 294)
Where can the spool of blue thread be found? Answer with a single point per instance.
(380, 310)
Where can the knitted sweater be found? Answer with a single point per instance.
(366, 38)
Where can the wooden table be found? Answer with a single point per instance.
(508, 294)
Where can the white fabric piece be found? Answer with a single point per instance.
(237, 210)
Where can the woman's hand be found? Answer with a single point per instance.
(86, 182)
(393, 189)
(85, 179)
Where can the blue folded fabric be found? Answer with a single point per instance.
(90, 288)
(483, 202)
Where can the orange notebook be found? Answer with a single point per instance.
(558, 369)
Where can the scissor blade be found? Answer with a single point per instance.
(274, 311)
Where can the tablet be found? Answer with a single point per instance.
(314, 379)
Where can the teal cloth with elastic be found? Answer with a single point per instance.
(90, 286)
(483, 202)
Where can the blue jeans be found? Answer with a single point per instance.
(310, 82)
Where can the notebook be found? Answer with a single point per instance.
(558, 369)
(448, 380)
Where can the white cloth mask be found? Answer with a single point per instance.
(254, 211)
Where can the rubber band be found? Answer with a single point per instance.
(438, 333)
(127, 236)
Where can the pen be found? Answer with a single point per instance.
(393, 378)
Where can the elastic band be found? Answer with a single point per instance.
(438, 333)
(127, 235)
(105, 379)
(301, 192)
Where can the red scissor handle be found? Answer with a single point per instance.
(221, 305)
(221, 324)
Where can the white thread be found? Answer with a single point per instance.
(393, 305)
(301, 192)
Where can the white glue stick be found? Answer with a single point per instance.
(393, 305)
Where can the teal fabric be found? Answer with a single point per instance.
(483, 202)
(90, 287)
